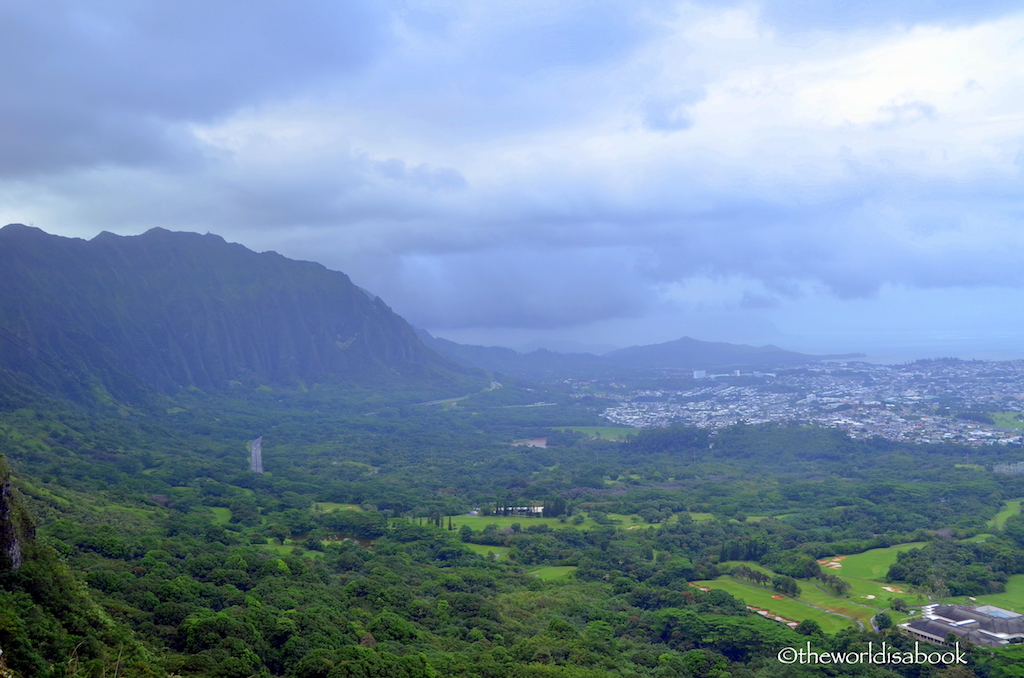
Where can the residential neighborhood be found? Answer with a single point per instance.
(928, 401)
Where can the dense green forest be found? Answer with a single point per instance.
(150, 549)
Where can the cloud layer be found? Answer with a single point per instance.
(494, 168)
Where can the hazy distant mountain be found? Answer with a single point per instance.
(687, 353)
(681, 354)
(539, 364)
(167, 310)
(566, 346)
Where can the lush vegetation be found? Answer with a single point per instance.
(157, 552)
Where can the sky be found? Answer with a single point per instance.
(829, 176)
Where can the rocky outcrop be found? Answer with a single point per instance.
(15, 525)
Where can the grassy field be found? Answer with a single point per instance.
(606, 432)
(1011, 508)
(286, 549)
(1011, 599)
(328, 506)
(484, 549)
(478, 523)
(860, 608)
(790, 608)
(862, 589)
(1008, 419)
(867, 596)
(221, 515)
(873, 564)
(979, 538)
(553, 572)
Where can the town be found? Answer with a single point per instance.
(928, 401)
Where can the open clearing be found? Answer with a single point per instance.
(1011, 599)
(873, 564)
(485, 549)
(478, 523)
(1012, 508)
(868, 595)
(790, 608)
(1008, 419)
(286, 549)
(553, 572)
(221, 515)
(328, 506)
(606, 432)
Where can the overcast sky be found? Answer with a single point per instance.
(825, 176)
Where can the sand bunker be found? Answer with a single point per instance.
(768, 614)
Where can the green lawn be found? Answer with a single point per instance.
(1011, 508)
(606, 432)
(1011, 599)
(1008, 419)
(553, 572)
(221, 515)
(478, 523)
(863, 588)
(860, 608)
(873, 564)
(328, 506)
(790, 608)
(979, 538)
(286, 549)
(484, 549)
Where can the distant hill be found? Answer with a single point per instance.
(166, 310)
(681, 354)
(688, 353)
(538, 364)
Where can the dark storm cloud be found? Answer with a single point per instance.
(535, 164)
(516, 287)
(112, 82)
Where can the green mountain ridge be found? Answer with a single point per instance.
(168, 310)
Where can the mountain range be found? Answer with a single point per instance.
(680, 355)
(166, 310)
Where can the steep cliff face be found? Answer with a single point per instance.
(15, 524)
(169, 310)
